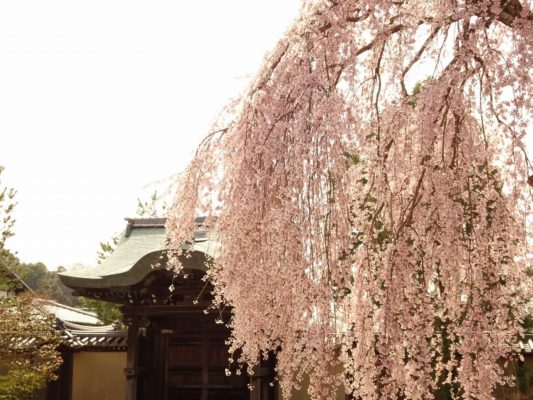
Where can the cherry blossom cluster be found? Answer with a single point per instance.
(371, 199)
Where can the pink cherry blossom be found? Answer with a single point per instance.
(368, 223)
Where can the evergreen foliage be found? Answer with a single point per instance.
(28, 338)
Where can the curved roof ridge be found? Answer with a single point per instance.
(139, 252)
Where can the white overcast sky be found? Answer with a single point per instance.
(100, 98)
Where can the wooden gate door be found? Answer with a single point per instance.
(196, 369)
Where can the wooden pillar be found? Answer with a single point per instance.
(132, 359)
(160, 383)
(255, 393)
(205, 364)
(261, 380)
(61, 389)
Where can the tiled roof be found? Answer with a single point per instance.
(83, 330)
(70, 314)
(10, 283)
(138, 252)
(95, 338)
(526, 345)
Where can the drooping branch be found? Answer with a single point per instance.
(361, 218)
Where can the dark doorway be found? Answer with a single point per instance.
(197, 369)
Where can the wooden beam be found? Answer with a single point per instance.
(132, 359)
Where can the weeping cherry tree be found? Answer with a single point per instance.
(369, 192)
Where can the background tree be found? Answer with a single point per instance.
(106, 248)
(357, 212)
(28, 338)
(50, 287)
(44, 282)
(32, 274)
(28, 348)
(7, 204)
(108, 312)
(156, 206)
